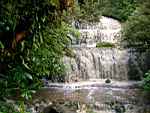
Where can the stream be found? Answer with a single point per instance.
(98, 80)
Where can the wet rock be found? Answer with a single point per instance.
(49, 109)
(107, 81)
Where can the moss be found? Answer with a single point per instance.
(69, 52)
(105, 44)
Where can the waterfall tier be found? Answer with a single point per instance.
(93, 62)
(107, 30)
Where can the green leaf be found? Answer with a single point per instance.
(55, 2)
(29, 76)
(25, 65)
(1, 45)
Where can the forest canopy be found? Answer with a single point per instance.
(34, 37)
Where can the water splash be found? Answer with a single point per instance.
(100, 63)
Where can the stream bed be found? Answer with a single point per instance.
(93, 98)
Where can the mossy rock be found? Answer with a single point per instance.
(105, 45)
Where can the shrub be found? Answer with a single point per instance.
(105, 44)
(146, 81)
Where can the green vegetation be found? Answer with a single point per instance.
(137, 27)
(88, 10)
(105, 45)
(119, 9)
(69, 52)
(33, 37)
(91, 10)
(146, 83)
(6, 108)
(136, 32)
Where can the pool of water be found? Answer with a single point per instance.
(93, 100)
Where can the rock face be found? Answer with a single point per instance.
(91, 62)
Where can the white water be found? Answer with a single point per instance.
(93, 66)
(100, 63)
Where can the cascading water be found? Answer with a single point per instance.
(91, 62)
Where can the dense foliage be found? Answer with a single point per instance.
(33, 39)
(88, 10)
(119, 9)
(136, 32)
(92, 9)
(137, 27)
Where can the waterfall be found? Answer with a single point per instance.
(91, 62)
(98, 64)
